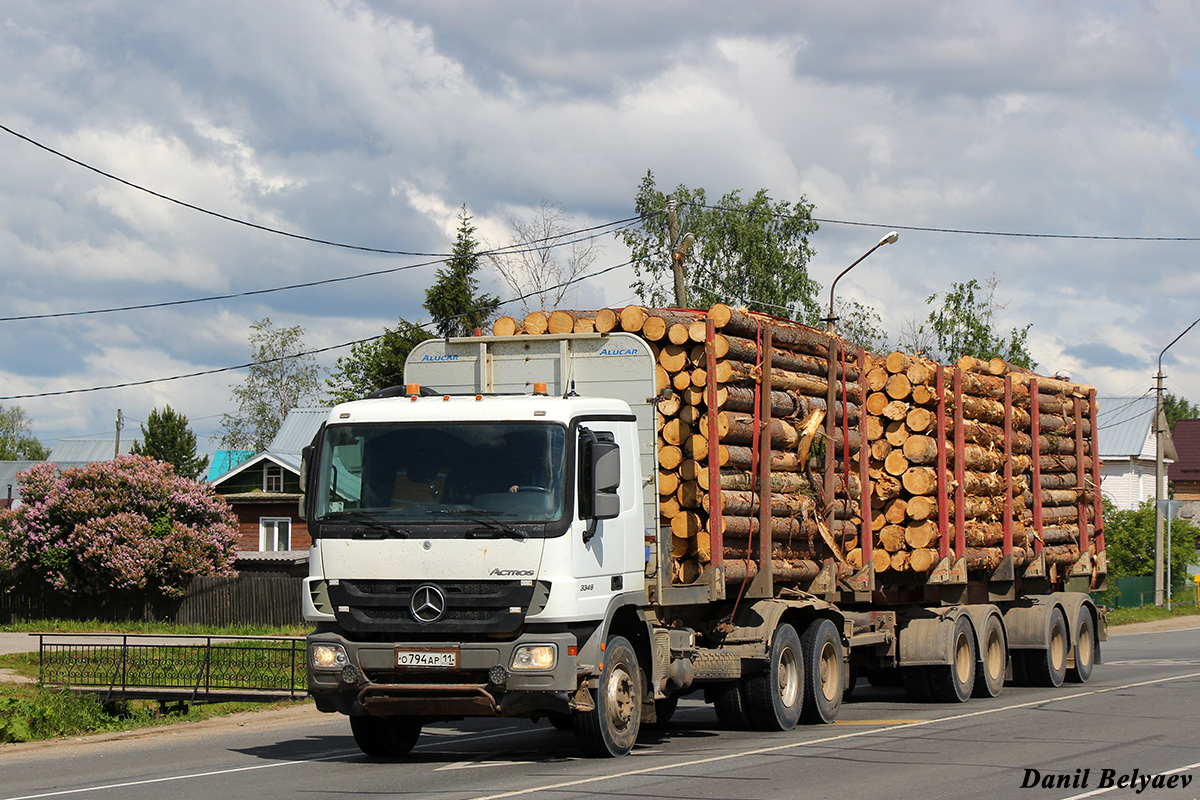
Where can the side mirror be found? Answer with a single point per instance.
(305, 458)
(599, 479)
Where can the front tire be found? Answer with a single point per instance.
(775, 696)
(385, 737)
(611, 728)
(824, 670)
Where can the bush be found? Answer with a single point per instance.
(130, 524)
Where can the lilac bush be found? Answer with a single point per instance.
(126, 524)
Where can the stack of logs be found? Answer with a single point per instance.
(799, 372)
(901, 417)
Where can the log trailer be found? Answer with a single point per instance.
(502, 537)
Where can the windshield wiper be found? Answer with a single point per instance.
(493, 524)
(367, 521)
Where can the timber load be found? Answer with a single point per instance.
(787, 455)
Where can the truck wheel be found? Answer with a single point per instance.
(729, 701)
(824, 665)
(775, 695)
(385, 737)
(611, 728)
(954, 682)
(1049, 667)
(1086, 645)
(993, 659)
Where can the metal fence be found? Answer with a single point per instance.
(189, 669)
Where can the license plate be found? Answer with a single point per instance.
(427, 659)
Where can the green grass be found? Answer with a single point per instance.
(30, 712)
(162, 628)
(1126, 616)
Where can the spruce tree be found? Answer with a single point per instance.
(166, 437)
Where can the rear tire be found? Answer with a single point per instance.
(385, 737)
(611, 728)
(954, 682)
(1048, 667)
(824, 672)
(1087, 644)
(775, 695)
(993, 658)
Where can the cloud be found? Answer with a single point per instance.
(371, 123)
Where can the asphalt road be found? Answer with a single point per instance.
(1139, 716)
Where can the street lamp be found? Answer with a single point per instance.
(1159, 435)
(831, 319)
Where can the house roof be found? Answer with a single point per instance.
(9, 470)
(1125, 427)
(297, 431)
(88, 450)
(1187, 444)
(225, 460)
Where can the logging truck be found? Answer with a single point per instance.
(583, 523)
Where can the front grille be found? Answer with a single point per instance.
(470, 606)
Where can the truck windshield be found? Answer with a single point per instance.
(435, 473)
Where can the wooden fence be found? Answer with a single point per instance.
(251, 598)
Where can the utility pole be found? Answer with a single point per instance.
(679, 251)
(1159, 442)
(120, 424)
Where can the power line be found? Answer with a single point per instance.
(962, 231)
(556, 240)
(218, 370)
(592, 234)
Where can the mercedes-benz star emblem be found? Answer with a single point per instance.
(427, 604)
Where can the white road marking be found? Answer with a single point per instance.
(602, 778)
(1126, 788)
(551, 787)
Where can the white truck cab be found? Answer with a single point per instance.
(477, 537)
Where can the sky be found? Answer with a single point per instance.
(1053, 147)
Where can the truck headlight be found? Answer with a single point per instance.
(534, 657)
(328, 656)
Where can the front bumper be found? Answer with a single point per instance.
(377, 686)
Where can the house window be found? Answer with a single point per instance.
(273, 478)
(274, 533)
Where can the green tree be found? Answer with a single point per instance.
(1177, 408)
(281, 377)
(166, 437)
(454, 300)
(1129, 541)
(860, 325)
(376, 364)
(753, 252)
(16, 437)
(965, 324)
